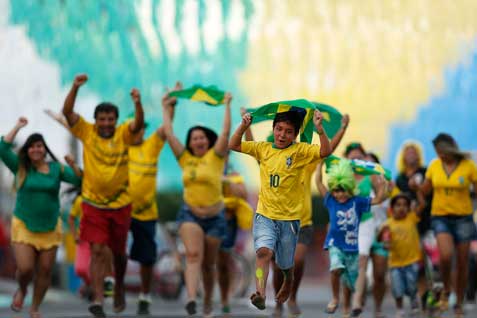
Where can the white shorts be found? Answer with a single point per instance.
(366, 236)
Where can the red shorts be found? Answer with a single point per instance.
(106, 226)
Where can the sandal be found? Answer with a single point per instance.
(331, 307)
(17, 304)
(258, 300)
(458, 311)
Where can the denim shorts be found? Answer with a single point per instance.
(462, 228)
(143, 248)
(347, 262)
(279, 236)
(306, 235)
(214, 226)
(404, 280)
(230, 235)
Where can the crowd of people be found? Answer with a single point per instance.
(371, 218)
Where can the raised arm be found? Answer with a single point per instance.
(138, 123)
(22, 122)
(379, 186)
(161, 131)
(426, 186)
(248, 132)
(319, 180)
(335, 141)
(167, 111)
(76, 169)
(68, 106)
(325, 148)
(235, 142)
(57, 117)
(221, 146)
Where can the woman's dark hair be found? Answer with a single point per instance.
(24, 162)
(352, 146)
(106, 107)
(209, 134)
(447, 144)
(374, 156)
(294, 117)
(398, 196)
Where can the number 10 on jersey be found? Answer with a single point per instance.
(274, 180)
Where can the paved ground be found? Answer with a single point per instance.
(64, 304)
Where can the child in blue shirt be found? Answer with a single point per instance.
(345, 209)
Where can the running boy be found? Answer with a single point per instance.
(277, 221)
(399, 233)
(345, 209)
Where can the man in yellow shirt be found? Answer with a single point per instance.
(277, 221)
(143, 159)
(106, 201)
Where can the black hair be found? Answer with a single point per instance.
(294, 117)
(398, 196)
(449, 143)
(106, 107)
(209, 134)
(24, 161)
(374, 156)
(352, 146)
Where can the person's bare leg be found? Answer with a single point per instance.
(380, 267)
(25, 258)
(299, 269)
(193, 238)
(346, 300)
(335, 276)
(286, 287)
(277, 284)
(445, 243)
(211, 250)
(360, 287)
(146, 278)
(44, 269)
(262, 263)
(223, 277)
(120, 264)
(97, 270)
(462, 264)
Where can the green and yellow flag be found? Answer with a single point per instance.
(331, 116)
(361, 167)
(207, 94)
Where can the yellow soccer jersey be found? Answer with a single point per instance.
(282, 190)
(451, 194)
(105, 177)
(307, 212)
(202, 178)
(142, 177)
(405, 248)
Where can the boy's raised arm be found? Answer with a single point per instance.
(235, 142)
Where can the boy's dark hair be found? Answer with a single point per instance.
(404, 196)
(374, 156)
(352, 146)
(106, 107)
(294, 117)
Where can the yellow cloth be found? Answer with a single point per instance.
(105, 179)
(40, 241)
(142, 177)
(243, 211)
(405, 247)
(307, 212)
(76, 210)
(451, 194)
(282, 190)
(202, 178)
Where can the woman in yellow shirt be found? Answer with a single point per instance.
(201, 219)
(450, 177)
